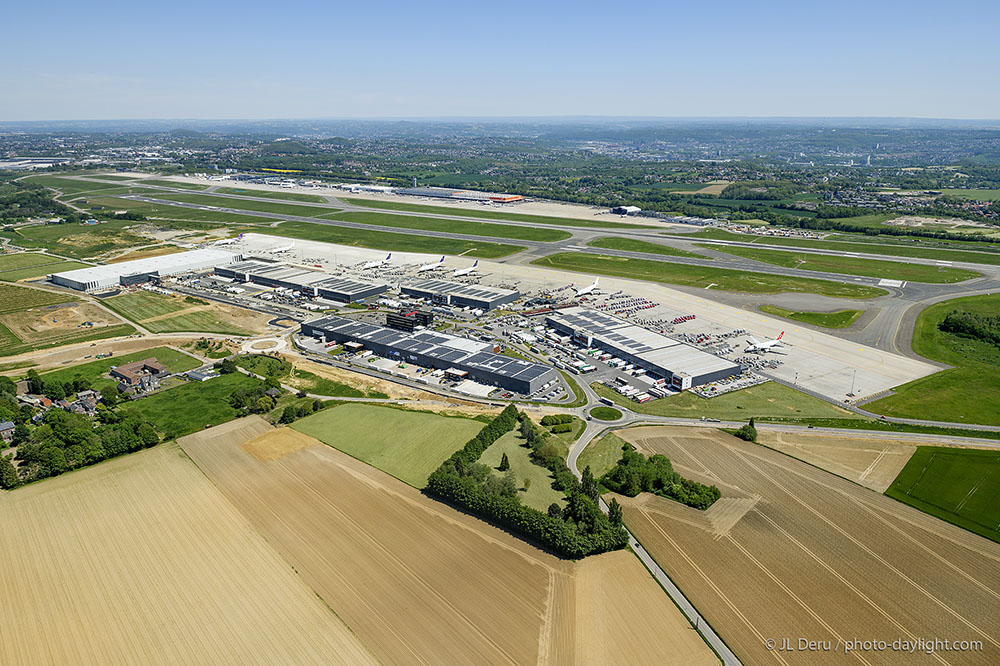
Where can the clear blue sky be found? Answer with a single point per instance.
(221, 59)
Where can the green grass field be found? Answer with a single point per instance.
(68, 187)
(605, 413)
(826, 263)
(977, 195)
(408, 445)
(764, 401)
(968, 393)
(540, 493)
(191, 406)
(170, 183)
(142, 305)
(109, 176)
(270, 366)
(453, 226)
(703, 276)
(19, 260)
(839, 319)
(488, 214)
(268, 194)
(14, 298)
(165, 215)
(601, 454)
(387, 240)
(95, 370)
(960, 486)
(883, 246)
(633, 245)
(38, 271)
(275, 208)
(78, 241)
(203, 321)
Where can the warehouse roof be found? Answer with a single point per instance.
(168, 264)
(459, 289)
(650, 346)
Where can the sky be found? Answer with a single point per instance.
(252, 60)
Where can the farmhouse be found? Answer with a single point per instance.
(7, 431)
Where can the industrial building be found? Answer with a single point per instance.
(436, 350)
(444, 292)
(128, 273)
(680, 364)
(314, 284)
(461, 195)
(409, 320)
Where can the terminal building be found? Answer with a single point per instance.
(460, 195)
(680, 364)
(431, 349)
(140, 271)
(443, 292)
(313, 284)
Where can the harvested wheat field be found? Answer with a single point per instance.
(420, 583)
(872, 462)
(814, 556)
(56, 321)
(141, 560)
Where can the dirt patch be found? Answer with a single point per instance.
(276, 444)
(264, 344)
(54, 321)
(146, 253)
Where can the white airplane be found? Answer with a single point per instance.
(432, 267)
(466, 271)
(766, 346)
(229, 241)
(283, 248)
(377, 263)
(583, 291)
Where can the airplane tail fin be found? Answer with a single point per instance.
(475, 264)
(388, 256)
(780, 335)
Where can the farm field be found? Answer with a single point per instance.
(214, 592)
(420, 583)
(488, 214)
(93, 371)
(839, 319)
(871, 462)
(793, 551)
(249, 205)
(487, 229)
(634, 245)
(826, 263)
(78, 241)
(159, 313)
(540, 493)
(408, 445)
(702, 276)
(268, 194)
(387, 240)
(768, 400)
(41, 270)
(883, 247)
(978, 195)
(957, 485)
(14, 298)
(967, 393)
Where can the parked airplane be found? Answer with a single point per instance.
(466, 271)
(229, 241)
(377, 263)
(766, 346)
(283, 248)
(583, 291)
(432, 267)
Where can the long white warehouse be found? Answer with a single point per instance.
(96, 278)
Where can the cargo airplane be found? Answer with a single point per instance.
(466, 271)
(583, 291)
(229, 241)
(283, 248)
(432, 267)
(766, 346)
(377, 263)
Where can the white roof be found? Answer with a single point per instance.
(168, 264)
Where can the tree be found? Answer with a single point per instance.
(504, 463)
(55, 390)
(527, 484)
(21, 433)
(747, 433)
(555, 511)
(8, 386)
(8, 475)
(35, 383)
(288, 414)
(589, 484)
(751, 424)
(615, 512)
(110, 396)
(226, 366)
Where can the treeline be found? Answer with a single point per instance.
(636, 473)
(985, 328)
(29, 203)
(66, 441)
(761, 190)
(579, 530)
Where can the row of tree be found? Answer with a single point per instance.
(579, 530)
(985, 328)
(635, 473)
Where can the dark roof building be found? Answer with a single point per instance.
(462, 295)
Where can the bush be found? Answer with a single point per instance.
(561, 427)
(635, 473)
(556, 419)
(747, 432)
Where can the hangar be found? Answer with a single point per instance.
(436, 350)
(127, 273)
(461, 295)
(681, 364)
(309, 282)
